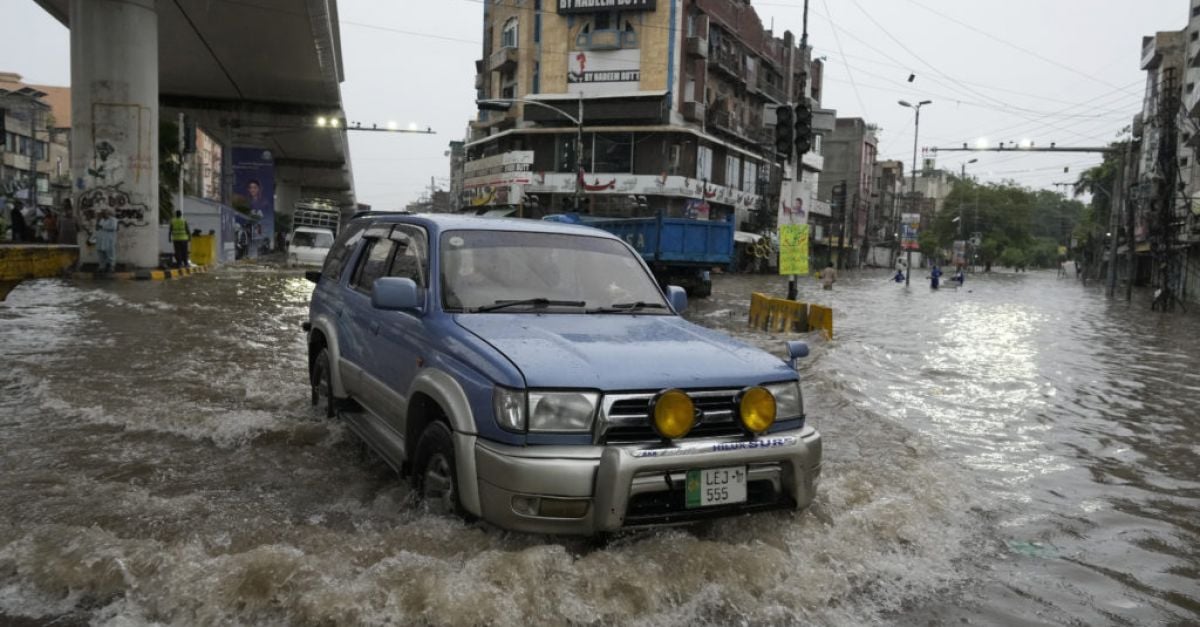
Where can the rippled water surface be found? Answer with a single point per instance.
(1020, 451)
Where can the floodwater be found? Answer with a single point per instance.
(1022, 451)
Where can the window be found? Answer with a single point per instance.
(537, 21)
(412, 255)
(749, 176)
(43, 152)
(509, 91)
(340, 254)
(1195, 35)
(373, 265)
(733, 165)
(613, 152)
(508, 36)
(704, 162)
(603, 21)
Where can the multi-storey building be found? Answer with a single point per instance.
(662, 105)
(1164, 223)
(35, 152)
(885, 212)
(849, 181)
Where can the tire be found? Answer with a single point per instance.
(435, 474)
(321, 382)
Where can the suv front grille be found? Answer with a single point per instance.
(625, 418)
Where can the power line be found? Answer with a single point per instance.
(838, 41)
(1012, 45)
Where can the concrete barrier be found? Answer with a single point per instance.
(19, 262)
(779, 315)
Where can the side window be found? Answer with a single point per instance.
(373, 265)
(412, 255)
(346, 241)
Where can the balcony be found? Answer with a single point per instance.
(478, 82)
(773, 92)
(607, 39)
(724, 120)
(1150, 56)
(503, 60)
(697, 47)
(729, 63)
(693, 111)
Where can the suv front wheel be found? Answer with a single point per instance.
(434, 472)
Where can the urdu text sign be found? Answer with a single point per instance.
(793, 249)
(590, 6)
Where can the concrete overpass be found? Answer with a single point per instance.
(258, 72)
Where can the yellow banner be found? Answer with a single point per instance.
(793, 249)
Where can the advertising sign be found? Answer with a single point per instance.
(254, 200)
(960, 253)
(910, 228)
(604, 72)
(793, 249)
(566, 7)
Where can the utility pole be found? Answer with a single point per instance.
(1117, 201)
(912, 190)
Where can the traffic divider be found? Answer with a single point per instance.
(780, 315)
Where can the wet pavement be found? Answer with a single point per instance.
(1022, 451)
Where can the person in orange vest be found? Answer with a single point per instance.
(180, 236)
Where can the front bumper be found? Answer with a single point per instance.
(606, 488)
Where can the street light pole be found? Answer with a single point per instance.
(912, 190)
(503, 104)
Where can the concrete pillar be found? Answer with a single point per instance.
(287, 193)
(114, 134)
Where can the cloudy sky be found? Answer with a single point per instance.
(1062, 71)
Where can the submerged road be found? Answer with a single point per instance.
(1019, 451)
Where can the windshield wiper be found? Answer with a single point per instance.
(624, 307)
(535, 302)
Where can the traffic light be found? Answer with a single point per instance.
(804, 118)
(784, 137)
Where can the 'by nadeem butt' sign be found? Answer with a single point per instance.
(591, 6)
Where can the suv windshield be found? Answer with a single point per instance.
(481, 269)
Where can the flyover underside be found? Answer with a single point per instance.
(257, 74)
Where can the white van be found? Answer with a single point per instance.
(308, 246)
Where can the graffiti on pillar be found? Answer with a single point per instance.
(111, 197)
(99, 170)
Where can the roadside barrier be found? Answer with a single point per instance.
(779, 315)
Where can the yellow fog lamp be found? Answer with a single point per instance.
(673, 414)
(756, 407)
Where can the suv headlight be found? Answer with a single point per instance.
(509, 407)
(788, 400)
(562, 411)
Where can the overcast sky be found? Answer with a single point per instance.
(1062, 71)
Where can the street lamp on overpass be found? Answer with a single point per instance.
(504, 104)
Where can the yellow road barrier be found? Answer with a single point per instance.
(779, 315)
(821, 318)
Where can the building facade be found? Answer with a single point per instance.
(848, 180)
(661, 106)
(35, 143)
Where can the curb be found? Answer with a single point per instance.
(143, 275)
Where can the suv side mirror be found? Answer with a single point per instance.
(677, 296)
(796, 350)
(395, 293)
(312, 275)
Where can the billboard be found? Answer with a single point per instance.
(960, 252)
(604, 72)
(254, 200)
(793, 249)
(567, 7)
(910, 229)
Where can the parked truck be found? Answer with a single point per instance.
(314, 227)
(680, 251)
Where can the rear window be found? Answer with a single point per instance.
(313, 240)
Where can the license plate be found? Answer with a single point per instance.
(716, 486)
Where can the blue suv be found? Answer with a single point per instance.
(534, 375)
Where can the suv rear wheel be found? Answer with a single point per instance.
(434, 472)
(321, 380)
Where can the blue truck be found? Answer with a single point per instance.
(680, 251)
